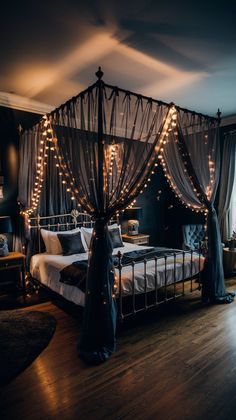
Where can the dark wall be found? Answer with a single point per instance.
(9, 157)
(152, 202)
(163, 214)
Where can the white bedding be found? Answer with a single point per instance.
(46, 268)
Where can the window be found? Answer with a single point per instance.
(233, 206)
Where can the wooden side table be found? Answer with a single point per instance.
(140, 239)
(14, 260)
(229, 260)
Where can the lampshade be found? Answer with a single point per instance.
(5, 224)
(133, 213)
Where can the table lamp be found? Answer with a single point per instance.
(133, 215)
(5, 227)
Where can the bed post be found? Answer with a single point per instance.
(99, 74)
(99, 321)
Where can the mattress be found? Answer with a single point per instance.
(46, 269)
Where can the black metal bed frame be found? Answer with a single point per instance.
(134, 303)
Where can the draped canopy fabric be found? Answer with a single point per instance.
(192, 159)
(131, 129)
(192, 163)
(106, 142)
(29, 146)
(39, 189)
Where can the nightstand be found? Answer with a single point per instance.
(140, 239)
(14, 260)
(229, 261)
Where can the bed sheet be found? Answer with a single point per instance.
(46, 269)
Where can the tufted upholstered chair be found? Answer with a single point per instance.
(192, 235)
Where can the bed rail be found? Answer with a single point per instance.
(189, 262)
(135, 302)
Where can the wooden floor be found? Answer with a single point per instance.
(176, 363)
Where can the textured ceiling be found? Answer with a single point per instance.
(174, 51)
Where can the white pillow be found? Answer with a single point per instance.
(87, 232)
(52, 242)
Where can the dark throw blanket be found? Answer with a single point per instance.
(75, 273)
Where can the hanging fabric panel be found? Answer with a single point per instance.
(29, 152)
(132, 128)
(40, 190)
(201, 141)
(191, 163)
(107, 143)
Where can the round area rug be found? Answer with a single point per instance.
(23, 335)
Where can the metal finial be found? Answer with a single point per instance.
(99, 73)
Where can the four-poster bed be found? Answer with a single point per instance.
(104, 145)
(147, 276)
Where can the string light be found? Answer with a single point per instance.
(153, 164)
(49, 143)
(65, 172)
(41, 158)
(195, 208)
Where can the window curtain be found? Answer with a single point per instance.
(191, 163)
(226, 185)
(107, 142)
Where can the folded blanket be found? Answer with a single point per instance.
(75, 273)
(142, 254)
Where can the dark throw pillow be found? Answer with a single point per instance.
(116, 238)
(71, 244)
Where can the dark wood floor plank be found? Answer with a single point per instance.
(177, 363)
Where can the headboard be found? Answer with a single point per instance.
(57, 223)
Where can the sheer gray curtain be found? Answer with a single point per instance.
(40, 190)
(131, 129)
(107, 143)
(191, 163)
(226, 185)
(190, 157)
(28, 151)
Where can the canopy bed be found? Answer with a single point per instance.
(104, 145)
(139, 270)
